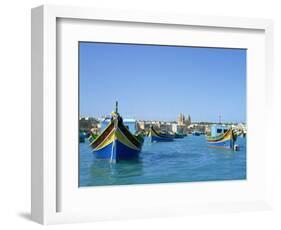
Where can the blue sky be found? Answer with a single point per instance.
(159, 82)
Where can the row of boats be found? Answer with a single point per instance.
(117, 142)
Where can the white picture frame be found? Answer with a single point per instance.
(56, 201)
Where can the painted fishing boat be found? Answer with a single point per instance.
(223, 137)
(116, 142)
(155, 136)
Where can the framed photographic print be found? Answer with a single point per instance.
(140, 114)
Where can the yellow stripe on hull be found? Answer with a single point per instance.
(124, 140)
(107, 141)
(116, 135)
(227, 136)
(152, 133)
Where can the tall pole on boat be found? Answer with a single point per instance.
(116, 107)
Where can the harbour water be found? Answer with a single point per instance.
(183, 160)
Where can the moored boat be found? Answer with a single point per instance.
(223, 137)
(155, 136)
(116, 142)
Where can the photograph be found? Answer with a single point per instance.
(154, 113)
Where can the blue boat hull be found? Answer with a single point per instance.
(117, 151)
(154, 136)
(160, 139)
(116, 142)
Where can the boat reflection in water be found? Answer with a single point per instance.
(125, 172)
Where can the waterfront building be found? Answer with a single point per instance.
(197, 127)
(141, 125)
(208, 129)
(166, 126)
(181, 119)
(188, 120)
(129, 123)
(87, 123)
(176, 128)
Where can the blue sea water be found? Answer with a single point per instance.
(183, 160)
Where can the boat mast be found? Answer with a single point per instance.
(116, 107)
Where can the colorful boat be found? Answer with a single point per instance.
(116, 142)
(223, 137)
(155, 136)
